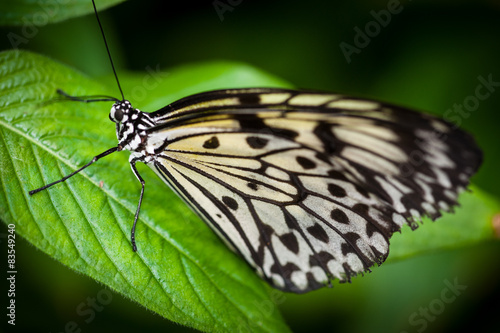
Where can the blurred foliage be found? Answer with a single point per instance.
(429, 56)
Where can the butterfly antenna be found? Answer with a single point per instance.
(107, 49)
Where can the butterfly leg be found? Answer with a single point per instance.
(106, 153)
(132, 161)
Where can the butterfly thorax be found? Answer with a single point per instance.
(131, 126)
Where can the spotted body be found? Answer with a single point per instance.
(307, 187)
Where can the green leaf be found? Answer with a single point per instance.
(181, 271)
(39, 13)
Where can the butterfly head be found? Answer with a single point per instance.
(121, 111)
(131, 125)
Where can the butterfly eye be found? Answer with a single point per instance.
(116, 115)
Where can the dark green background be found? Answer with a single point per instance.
(428, 57)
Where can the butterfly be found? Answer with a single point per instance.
(306, 186)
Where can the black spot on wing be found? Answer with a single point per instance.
(360, 209)
(211, 143)
(318, 232)
(256, 142)
(305, 162)
(290, 241)
(339, 216)
(230, 202)
(253, 186)
(336, 191)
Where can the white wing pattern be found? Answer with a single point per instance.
(306, 186)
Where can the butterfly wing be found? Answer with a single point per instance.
(308, 186)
